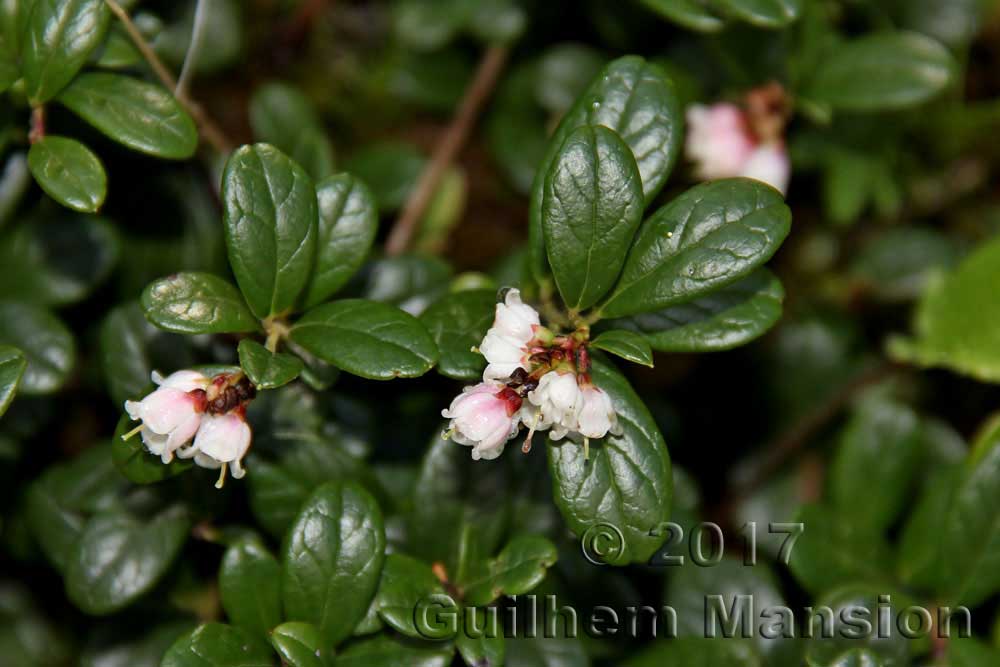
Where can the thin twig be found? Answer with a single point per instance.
(454, 138)
(191, 57)
(212, 133)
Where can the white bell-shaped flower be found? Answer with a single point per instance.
(484, 417)
(171, 414)
(222, 441)
(506, 343)
(597, 416)
(769, 163)
(558, 400)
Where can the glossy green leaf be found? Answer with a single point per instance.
(266, 369)
(249, 585)
(110, 647)
(218, 645)
(348, 221)
(136, 114)
(12, 365)
(519, 567)
(720, 320)
(412, 281)
(458, 322)
(61, 34)
(919, 563)
(69, 173)
(591, 206)
(270, 218)
(697, 652)
(637, 100)
(366, 338)
(484, 646)
(136, 462)
(298, 644)
(385, 651)
(832, 550)
(119, 558)
(68, 258)
(626, 483)
(332, 560)
(880, 71)
(281, 115)
(957, 321)
(196, 303)
(969, 537)
(406, 584)
(705, 239)
(970, 652)
(389, 170)
(762, 13)
(625, 344)
(563, 72)
(691, 14)
(45, 341)
(876, 463)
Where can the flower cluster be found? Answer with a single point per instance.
(533, 377)
(196, 417)
(724, 140)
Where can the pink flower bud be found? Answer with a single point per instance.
(172, 414)
(506, 343)
(484, 417)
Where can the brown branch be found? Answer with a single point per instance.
(37, 131)
(455, 137)
(212, 133)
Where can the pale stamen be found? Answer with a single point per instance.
(132, 432)
(222, 476)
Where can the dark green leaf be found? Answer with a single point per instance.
(385, 651)
(591, 206)
(27, 638)
(412, 281)
(348, 221)
(457, 322)
(298, 644)
(195, 302)
(919, 563)
(564, 71)
(692, 14)
(390, 170)
(697, 652)
(898, 264)
(270, 220)
(626, 484)
(332, 560)
(498, 21)
(483, 648)
(119, 558)
(218, 645)
(887, 70)
(367, 338)
(136, 462)
(266, 369)
(136, 114)
(709, 237)
(12, 365)
(69, 173)
(763, 13)
(832, 550)
(282, 116)
(115, 649)
(519, 567)
(61, 34)
(634, 98)
(625, 344)
(67, 258)
(249, 585)
(45, 341)
(969, 652)
(406, 584)
(723, 319)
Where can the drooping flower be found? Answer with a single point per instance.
(484, 417)
(172, 414)
(597, 416)
(558, 400)
(722, 144)
(222, 442)
(506, 343)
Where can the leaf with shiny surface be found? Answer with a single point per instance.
(194, 303)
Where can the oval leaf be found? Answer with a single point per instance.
(136, 114)
(270, 219)
(385, 651)
(762, 13)
(250, 587)
(69, 173)
(61, 34)
(625, 344)
(458, 322)
(519, 567)
(721, 320)
(348, 221)
(218, 645)
(881, 71)
(332, 560)
(691, 14)
(12, 365)
(297, 644)
(44, 340)
(136, 462)
(266, 369)
(626, 483)
(591, 206)
(195, 303)
(406, 583)
(367, 338)
(707, 238)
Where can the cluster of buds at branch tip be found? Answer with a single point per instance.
(196, 417)
(534, 377)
